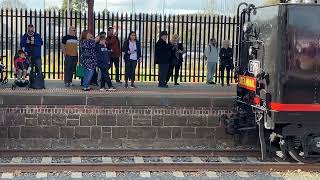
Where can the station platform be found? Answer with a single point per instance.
(182, 116)
(147, 94)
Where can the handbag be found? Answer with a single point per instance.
(80, 71)
(232, 66)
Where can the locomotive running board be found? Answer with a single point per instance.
(257, 107)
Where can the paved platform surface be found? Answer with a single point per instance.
(146, 94)
(54, 87)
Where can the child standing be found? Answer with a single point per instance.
(21, 65)
(104, 64)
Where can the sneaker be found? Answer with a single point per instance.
(211, 82)
(165, 86)
(126, 86)
(86, 89)
(70, 84)
(66, 85)
(102, 89)
(111, 89)
(133, 86)
(176, 84)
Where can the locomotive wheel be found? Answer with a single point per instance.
(285, 153)
(295, 153)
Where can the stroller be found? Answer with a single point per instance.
(3, 72)
(24, 82)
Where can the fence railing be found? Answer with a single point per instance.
(194, 30)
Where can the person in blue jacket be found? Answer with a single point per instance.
(104, 64)
(31, 43)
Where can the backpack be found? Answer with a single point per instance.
(36, 81)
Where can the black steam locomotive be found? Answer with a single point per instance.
(278, 75)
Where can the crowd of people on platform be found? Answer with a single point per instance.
(104, 51)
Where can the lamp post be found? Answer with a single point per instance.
(68, 5)
(133, 6)
(90, 16)
(163, 6)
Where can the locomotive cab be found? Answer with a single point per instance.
(278, 92)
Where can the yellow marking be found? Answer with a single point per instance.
(247, 82)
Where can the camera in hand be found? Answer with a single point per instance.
(31, 41)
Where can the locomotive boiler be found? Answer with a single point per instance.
(278, 75)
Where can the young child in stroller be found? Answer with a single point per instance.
(21, 70)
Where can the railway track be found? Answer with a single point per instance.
(132, 160)
(160, 167)
(128, 152)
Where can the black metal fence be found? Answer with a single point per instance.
(194, 30)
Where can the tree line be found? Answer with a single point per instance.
(74, 5)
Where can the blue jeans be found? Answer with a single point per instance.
(211, 70)
(88, 73)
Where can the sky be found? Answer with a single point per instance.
(151, 6)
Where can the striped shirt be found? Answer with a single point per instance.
(71, 45)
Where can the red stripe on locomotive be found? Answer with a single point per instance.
(295, 107)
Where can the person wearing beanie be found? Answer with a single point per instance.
(162, 58)
(31, 43)
(103, 34)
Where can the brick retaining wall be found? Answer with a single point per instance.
(111, 123)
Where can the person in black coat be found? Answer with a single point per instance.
(226, 61)
(132, 55)
(163, 58)
(176, 58)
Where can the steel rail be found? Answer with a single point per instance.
(162, 167)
